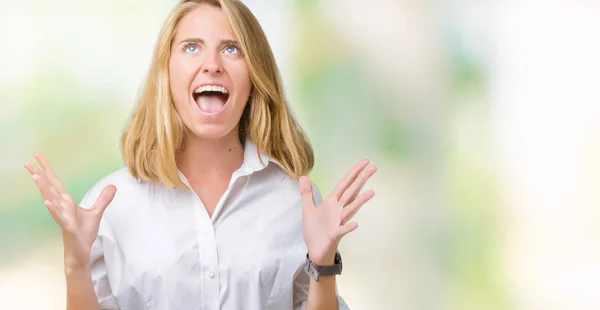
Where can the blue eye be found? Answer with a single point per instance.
(232, 49)
(190, 48)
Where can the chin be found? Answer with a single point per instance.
(213, 131)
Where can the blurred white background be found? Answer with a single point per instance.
(483, 117)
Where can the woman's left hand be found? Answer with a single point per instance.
(324, 226)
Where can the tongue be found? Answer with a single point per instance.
(210, 103)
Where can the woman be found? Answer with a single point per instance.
(214, 210)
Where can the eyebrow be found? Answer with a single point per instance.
(200, 41)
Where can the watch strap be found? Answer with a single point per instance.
(316, 271)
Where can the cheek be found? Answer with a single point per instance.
(240, 76)
(180, 76)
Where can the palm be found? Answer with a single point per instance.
(83, 229)
(79, 225)
(323, 226)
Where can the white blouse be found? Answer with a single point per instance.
(157, 248)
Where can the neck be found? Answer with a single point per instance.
(203, 159)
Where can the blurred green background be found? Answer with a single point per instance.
(483, 118)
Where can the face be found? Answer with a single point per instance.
(208, 74)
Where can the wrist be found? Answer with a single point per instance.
(72, 268)
(324, 267)
(324, 258)
(75, 262)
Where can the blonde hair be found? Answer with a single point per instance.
(155, 135)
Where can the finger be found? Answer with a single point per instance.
(53, 210)
(62, 203)
(49, 173)
(50, 192)
(43, 186)
(351, 210)
(352, 191)
(306, 192)
(66, 209)
(33, 169)
(346, 229)
(341, 187)
(104, 200)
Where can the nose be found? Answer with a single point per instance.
(211, 63)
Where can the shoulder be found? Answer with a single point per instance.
(131, 195)
(125, 183)
(286, 185)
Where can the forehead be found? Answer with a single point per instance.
(205, 22)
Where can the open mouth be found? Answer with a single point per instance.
(211, 99)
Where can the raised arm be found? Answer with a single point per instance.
(79, 227)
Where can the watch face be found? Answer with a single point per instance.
(338, 260)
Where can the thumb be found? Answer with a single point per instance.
(105, 198)
(306, 192)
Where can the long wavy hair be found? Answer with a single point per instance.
(155, 134)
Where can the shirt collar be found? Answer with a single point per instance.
(252, 160)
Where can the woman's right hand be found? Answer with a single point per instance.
(79, 225)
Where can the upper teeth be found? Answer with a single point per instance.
(210, 88)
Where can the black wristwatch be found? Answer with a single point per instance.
(316, 271)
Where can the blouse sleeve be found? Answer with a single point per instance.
(100, 277)
(301, 286)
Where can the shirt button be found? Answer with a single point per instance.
(209, 274)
